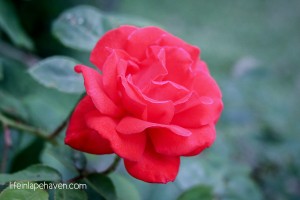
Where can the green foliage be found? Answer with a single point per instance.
(12, 105)
(61, 158)
(66, 194)
(219, 174)
(81, 27)
(58, 72)
(31, 99)
(33, 173)
(24, 194)
(102, 185)
(28, 155)
(9, 23)
(124, 188)
(200, 192)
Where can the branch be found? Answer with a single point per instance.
(58, 129)
(109, 170)
(12, 52)
(23, 127)
(7, 145)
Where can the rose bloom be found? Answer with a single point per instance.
(153, 102)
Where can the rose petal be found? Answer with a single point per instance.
(200, 66)
(141, 39)
(131, 100)
(178, 64)
(205, 112)
(171, 40)
(167, 143)
(81, 137)
(94, 88)
(157, 111)
(130, 125)
(132, 63)
(187, 102)
(205, 85)
(147, 108)
(210, 137)
(166, 90)
(151, 69)
(114, 39)
(130, 147)
(153, 167)
(110, 78)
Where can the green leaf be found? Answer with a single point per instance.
(24, 194)
(58, 72)
(124, 188)
(33, 173)
(28, 154)
(79, 27)
(61, 158)
(200, 192)
(102, 185)
(65, 194)
(10, 24)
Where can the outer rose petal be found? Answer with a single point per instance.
(205, 85)
(93, 86)
(81, 137)
(165, 142)
(210, 138)
(207, 111)
(130, 147)
(114, 39)
(153, 167)
(200, 66)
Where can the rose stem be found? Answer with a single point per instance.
(7, 145)
(23, 127)
(109, 170)
(10, 51)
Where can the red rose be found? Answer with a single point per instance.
(153, 102)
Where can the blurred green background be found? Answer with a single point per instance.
(253, 51)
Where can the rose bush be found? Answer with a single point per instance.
(153, 101)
